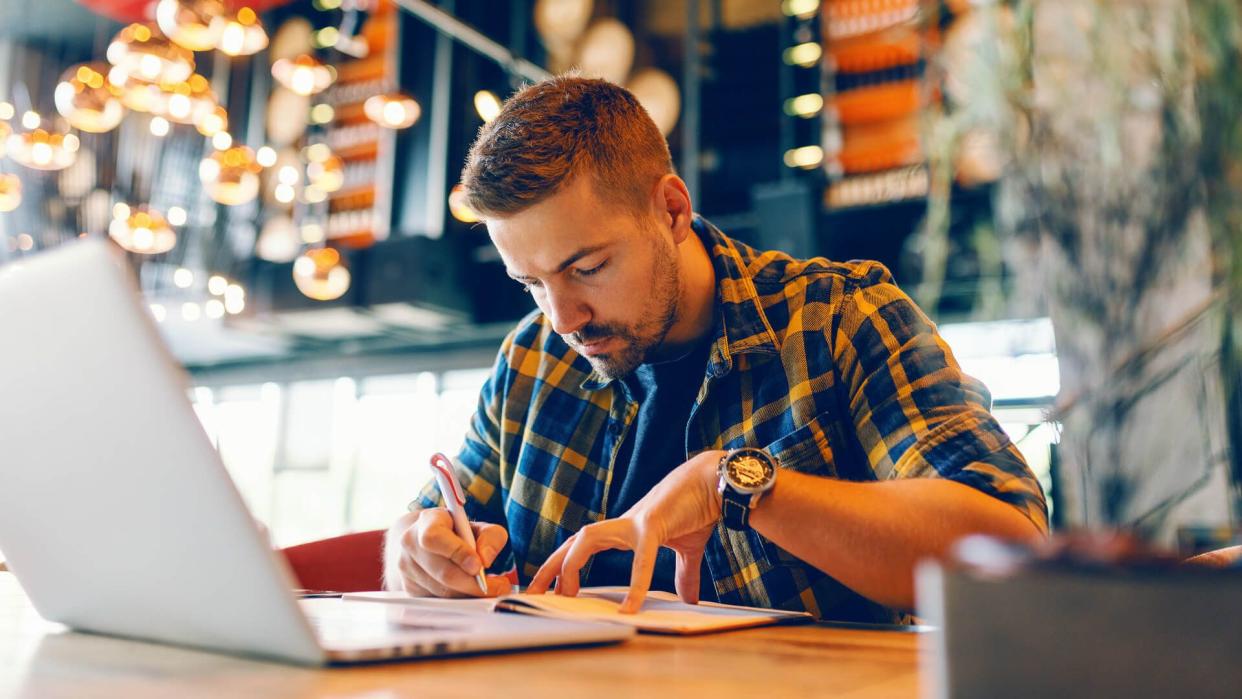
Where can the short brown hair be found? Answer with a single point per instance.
(553, 130)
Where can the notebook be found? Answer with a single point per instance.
(662, 612)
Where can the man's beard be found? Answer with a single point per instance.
(647, 333)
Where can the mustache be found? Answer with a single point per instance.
(594, 333)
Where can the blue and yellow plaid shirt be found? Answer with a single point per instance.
(827, 365)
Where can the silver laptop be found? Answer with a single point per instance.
(117, 516)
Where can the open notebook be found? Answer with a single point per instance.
(662, 612)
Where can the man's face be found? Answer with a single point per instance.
(608, 281)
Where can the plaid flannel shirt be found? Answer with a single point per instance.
(827, 365)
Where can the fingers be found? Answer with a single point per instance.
(565, 564)
(435, 536)
(436, 561)
(687, 576)
(490, 540)
(549, 570)
(640, 574)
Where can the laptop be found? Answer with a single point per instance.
(118, 517)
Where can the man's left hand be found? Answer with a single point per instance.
(680, 512)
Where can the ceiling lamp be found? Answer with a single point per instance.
(658, 93)
(141, 51)
(10, 192)
(319, 274)
(243, 34)
(41, 150)
(606, 50)
(87, 100)
(395, 111)
(231, 176)
(188, 102)
(487, 104)
(278, 241)
(138, 95)
(459, 208)
(212, 122)
(193, 24)
(324, 170)
(143, 231)
(304, 75)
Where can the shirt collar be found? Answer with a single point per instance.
(741, 325)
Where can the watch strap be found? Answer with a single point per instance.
(735, 509)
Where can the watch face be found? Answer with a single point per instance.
(749, 469)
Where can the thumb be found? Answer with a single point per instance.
(687, 574)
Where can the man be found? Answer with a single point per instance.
(661, 346)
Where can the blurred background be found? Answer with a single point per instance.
(1053, 181)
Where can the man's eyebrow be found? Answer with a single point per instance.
(563, 265)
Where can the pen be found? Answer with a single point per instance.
(455, 501)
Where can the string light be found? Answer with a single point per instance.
(803, 55)
(804, 106)
(806, 157)
(159, 126)
(266, 156)
(183, 278)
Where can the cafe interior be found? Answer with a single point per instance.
(1055, 183)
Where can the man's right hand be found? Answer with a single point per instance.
(424, 557)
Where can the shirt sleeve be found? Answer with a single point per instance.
(914, 411)
(478, 462)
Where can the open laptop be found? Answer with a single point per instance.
(117, 516)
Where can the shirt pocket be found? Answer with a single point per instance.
(807, 449)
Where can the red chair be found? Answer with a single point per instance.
(348, 563)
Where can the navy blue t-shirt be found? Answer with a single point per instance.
(653, 447)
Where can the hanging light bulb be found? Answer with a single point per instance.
(243, 34)
(193, 24)
(87, 100)
(140, 50)
(10, 192)
(189, 101)
(395, 111)
(231, 176)
(459, 208)
(324, 171)
(137, 95)
(487, 104)
(144, 232)
(213, 122)
(304, 75)
(41, 150)
(319, 274)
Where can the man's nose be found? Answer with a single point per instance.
(566, 310)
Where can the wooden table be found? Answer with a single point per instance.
(44, 660)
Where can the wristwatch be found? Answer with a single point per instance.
(745, 475)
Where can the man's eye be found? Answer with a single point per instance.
(593, 270)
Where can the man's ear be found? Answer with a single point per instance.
(672, 201)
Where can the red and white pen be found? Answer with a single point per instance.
(455, 500)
